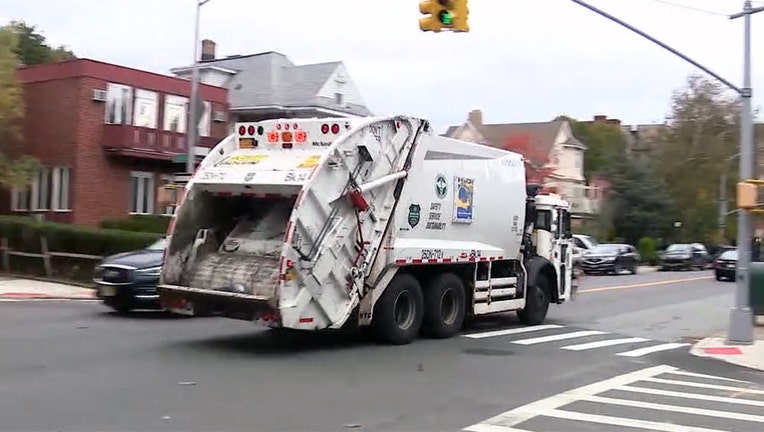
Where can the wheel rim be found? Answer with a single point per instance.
(404, 310)
(448, 306)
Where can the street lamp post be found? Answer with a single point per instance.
(193, 115)
(741, 318)
(723, 210)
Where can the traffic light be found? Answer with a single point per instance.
(444, 14)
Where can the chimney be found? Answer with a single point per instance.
(476, 118)
(600, 118)
(208, 50)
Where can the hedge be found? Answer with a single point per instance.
(139, 223)
(24, 233)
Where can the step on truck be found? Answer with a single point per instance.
(314, 224)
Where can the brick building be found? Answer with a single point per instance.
(106, 136)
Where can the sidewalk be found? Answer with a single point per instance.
(750, 356)
(646, 269)
(12, 288)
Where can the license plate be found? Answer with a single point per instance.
(108, 291)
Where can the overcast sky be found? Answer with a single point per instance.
(523, 60)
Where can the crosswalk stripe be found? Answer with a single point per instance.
(626, 422)
(685, 395)
(485, 427)
(604, 343)
(651, 349)
(511, 331)
(700, 375)
(675, 408)
(703, 385)
(558, 337)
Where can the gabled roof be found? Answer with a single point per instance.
(271, 79)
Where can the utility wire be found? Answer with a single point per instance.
(682, 6)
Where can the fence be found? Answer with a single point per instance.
(45, 254)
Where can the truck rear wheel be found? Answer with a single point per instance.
(536, 302)
(444, 306)
(398, 313)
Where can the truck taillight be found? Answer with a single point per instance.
(335, 128)
(251, 130)
(324, 128)
(242, 130)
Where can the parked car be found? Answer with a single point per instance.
(725, 265)
(610, 258)
(699, 249)
(684, 256)
(581, 243)
(128, 280)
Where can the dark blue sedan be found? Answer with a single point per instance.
(128, 280)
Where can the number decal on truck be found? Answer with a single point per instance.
(432, 254)
(296, 177)
(475, 253)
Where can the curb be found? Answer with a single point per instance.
(20, 296)
(716, 348)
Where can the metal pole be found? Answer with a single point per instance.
(192, 127)
(722, 207)
(741, 319)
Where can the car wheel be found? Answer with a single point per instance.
(719, 277)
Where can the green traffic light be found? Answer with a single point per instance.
(445, 17)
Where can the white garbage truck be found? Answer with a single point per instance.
(314, 224)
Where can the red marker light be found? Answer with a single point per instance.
(242, 130)
(325, 128)
(278, 127)
(273, 137)
(286, 126)
(300, 136)
(294, 126)
(251, 130)
(335, 128)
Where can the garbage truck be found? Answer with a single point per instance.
(373, 222)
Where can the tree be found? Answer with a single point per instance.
(699, 146)
(605, 144)
(537, 168)
(31, 46)
(638, 201)
(15, 170)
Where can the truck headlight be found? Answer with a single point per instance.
(150, 271)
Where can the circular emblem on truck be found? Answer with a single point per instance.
(441, 186)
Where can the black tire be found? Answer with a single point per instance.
(537, 302)
(634, 269)
(398, 313)
(719, 277)
(444, 306)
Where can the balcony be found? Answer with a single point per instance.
(139, 142)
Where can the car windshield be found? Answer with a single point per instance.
(678, 248)
(589, 239)
(606, 249)
(729, 255)
(159, 245)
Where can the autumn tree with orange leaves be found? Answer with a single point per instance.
(537, 169)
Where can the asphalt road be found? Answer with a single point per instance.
(75, 366)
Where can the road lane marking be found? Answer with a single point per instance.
(511, 331)
(643, 285)
(484, 427)
(651, 349)
(625, 422)
(700, 375)
(558, 337)
(703, 385)
(674, 408)
(685, 395)
(604, 343)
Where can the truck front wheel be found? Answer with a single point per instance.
(536, 302)
(444, 306)
(398, 313)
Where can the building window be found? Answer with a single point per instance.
(167, 179)
(175, 108)
(141, 192)
(339, 99)
(204, 122)
(118, 103)
(21, 199)
(41, 188)
(146, 103)
(60, 190)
